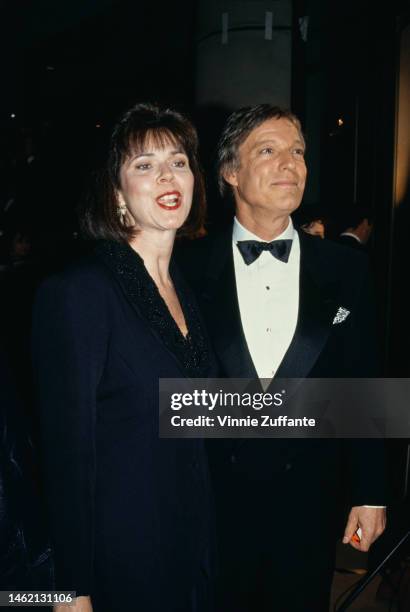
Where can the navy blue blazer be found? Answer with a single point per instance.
(129, 512)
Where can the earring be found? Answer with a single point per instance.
(122, 211)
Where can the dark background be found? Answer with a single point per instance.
(70, 68)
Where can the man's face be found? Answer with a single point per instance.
(271, 174)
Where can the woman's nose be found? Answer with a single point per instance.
(165, 174)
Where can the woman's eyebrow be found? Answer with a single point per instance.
(147, 154)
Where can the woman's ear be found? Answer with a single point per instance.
(121, 206)
(119, 198)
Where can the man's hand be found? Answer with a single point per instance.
(372, 522)
(82, 604)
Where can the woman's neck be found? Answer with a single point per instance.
(155, 249)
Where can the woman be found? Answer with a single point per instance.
(129, 512)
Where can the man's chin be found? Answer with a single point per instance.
(287, 206)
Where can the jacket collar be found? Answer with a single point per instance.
(220, 299)
(139, 289)
(316, 307)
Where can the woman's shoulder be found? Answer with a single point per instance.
(87, 276)
(77, 302)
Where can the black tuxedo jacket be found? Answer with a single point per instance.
(129, 512)
(352, 243)
(331, 276)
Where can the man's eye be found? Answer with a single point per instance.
(143, 166)
(267, 151)
(300, 152)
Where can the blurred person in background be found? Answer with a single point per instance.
(310, 219)
(355, 227)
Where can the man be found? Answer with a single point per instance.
(271, 311)
(356, 226)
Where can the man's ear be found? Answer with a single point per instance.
(230, 176)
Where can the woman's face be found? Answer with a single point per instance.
(156, 187)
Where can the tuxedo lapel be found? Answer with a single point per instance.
(316, 308)
(220, 301)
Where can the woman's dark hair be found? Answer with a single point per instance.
(99, 216)
(238, 127)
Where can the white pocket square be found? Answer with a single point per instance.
(341, 315)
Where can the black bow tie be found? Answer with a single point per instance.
(251, 249)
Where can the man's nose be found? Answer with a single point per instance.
(286, 160)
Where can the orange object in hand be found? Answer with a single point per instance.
(356, 537)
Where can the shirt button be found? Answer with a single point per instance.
(267, 287)
(268, 329)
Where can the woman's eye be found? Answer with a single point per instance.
(300, 152)
(143, 166)
(267, 151)
(180, 163)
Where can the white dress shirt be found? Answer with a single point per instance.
(268, 296)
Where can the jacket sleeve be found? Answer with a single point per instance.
(69, 343)
(366, 457)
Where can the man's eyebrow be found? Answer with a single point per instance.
(275, 140)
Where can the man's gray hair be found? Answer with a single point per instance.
(238, 127)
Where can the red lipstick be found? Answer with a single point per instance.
(170, 200)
